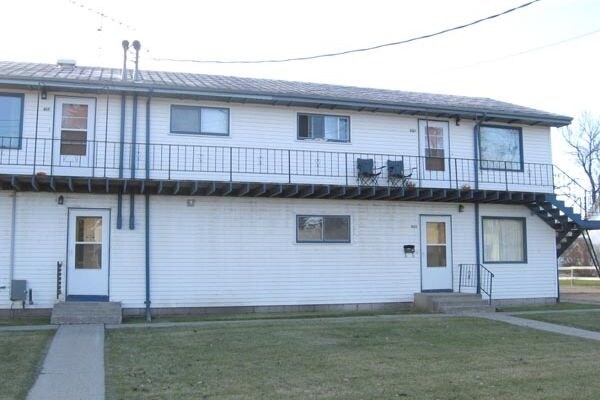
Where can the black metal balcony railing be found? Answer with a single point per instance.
(106, 159)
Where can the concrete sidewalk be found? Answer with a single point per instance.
(74, 366)
(539, 325)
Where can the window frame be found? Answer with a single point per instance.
(521, 158)
(21, 96)
(298, 137)
(323, 240)
(199, 109)
(523, 220)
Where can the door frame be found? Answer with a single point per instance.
(422, 249)
(421, 156)
(66, 269)
(56, 137)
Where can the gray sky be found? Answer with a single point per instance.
(475, 61)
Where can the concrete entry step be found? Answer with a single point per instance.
(86, 312)
(451, 303)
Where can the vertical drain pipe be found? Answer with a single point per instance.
(136, 76)
(121, 160)
(13, 231)
(133, 149)
(147, 211)
(477, 165)
(125, 45)
(147, 220)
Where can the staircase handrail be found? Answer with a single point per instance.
(476, 276)
(572, 193)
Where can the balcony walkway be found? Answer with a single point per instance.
(259, 189)
(198, 170)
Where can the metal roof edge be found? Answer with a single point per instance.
(141, 87)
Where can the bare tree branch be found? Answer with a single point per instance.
(583, 137)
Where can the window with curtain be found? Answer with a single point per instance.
(11, 114)
(504, 240)
(500, 147)
(434, 150)
(327, 127)
(323, 228)
(74, 130)
(200, 120)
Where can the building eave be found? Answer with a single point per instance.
(301, 101)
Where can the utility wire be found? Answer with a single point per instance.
(103, 15)
(520, 53)
(340, 53)
(109, 18)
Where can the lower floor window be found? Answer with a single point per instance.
(504, 240)
(323, 228)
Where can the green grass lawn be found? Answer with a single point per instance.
(417, 358)
(584, 320)
(580, 282)
(25, 321)
(21, 355)
(273, 315)
(550, 307)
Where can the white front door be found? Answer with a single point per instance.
(73, 144)
(436, 253)
(88, 254)
(434, 168)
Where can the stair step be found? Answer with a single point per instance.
(84, 312)
(468, 301)
(457, 309)
(451, 302)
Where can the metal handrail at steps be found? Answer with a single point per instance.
(476, 276)
(170, 161)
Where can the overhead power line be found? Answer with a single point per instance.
(102, 15)
(359, 50)
(520, 53)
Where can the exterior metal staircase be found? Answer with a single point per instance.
(592, 251)
(567, 223)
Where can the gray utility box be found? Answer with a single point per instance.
(18, 290)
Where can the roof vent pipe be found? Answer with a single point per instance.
(137, 46)
(125, 44)
(65, 64)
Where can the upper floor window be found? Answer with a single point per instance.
(11, 120)
(74, 129)
(200, 120)
(501, 147)
(327, 127)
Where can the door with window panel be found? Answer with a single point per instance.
(88, 254)
(434, 168)
(74, 147)
(436, 253)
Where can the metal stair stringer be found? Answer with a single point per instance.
(568, 224)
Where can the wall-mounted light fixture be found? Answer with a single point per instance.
(44, 94)
(60, 200)
(461, 208)
(190, 202)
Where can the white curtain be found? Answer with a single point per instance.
(503, 240)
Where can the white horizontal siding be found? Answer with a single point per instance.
(537, 277)
(231, 252)
(41, 241)
(258, 126)
(5, 229)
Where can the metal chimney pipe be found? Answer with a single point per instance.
(137, 46)
(125, 44)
